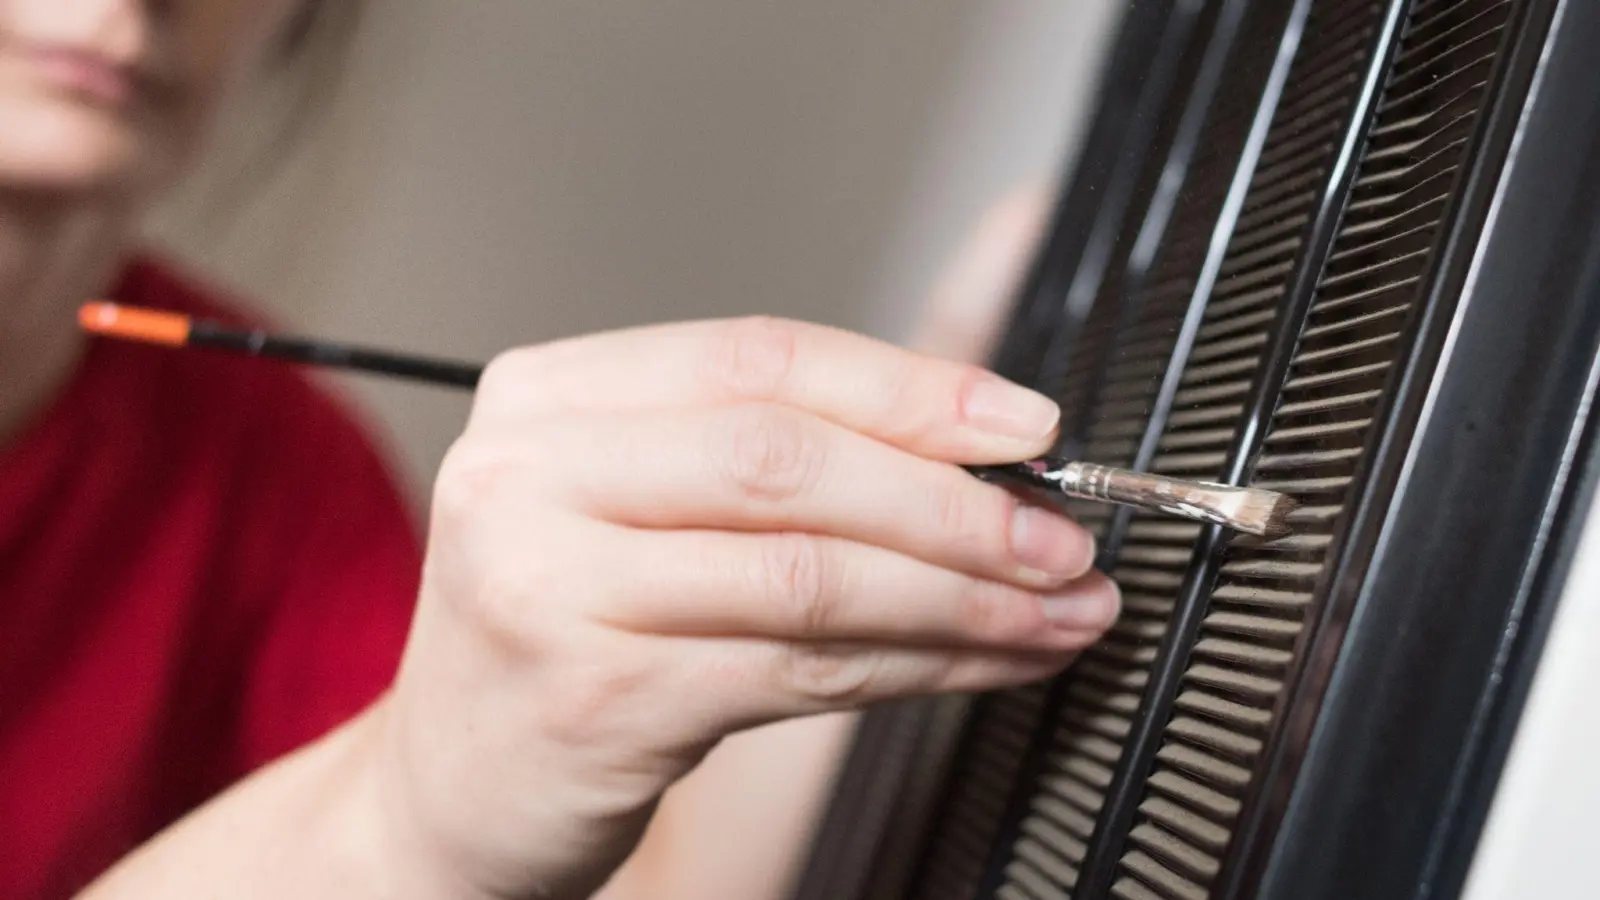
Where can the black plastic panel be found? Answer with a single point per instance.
(1325, 278)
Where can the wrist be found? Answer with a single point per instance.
(371, 824)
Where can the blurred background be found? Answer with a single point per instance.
(502, 172)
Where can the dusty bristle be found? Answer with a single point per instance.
(1266, 514)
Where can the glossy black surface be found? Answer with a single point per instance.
(871, 807)
(1276, 369)
(1194, 38)
(1403, 746)
(1138, 79)
(1386, 744)
(1286, 21)
(1165, 184)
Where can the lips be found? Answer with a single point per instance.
(87, 74)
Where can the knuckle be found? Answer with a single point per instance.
(829, 675)
(967, 380)
(913, 407)
(953, 510)
(969, 513)
(770, 455)
(484, 578)
(591, 705)
(994, 614)
(504, 377)
(529, 381)
(472, 475)
(797, 573)
(753, 357)
(496, 608)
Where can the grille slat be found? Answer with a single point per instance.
(1165, 882)
(1270, 210)
(1264, 239)
(1222, 306)
(1222, 710)
(1192, 827)
(1227, 286)
(1274, 251)
(1172, 853)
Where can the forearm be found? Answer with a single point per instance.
(314, 825)
(741, 824)
(309, 826)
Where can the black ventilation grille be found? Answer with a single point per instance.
(1355, 335)
(1084, 363)
(1001, 726)
(1138, 773)
(1099, 696)
(1072, 368)
(1176, 844)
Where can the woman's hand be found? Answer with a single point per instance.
(647, 540)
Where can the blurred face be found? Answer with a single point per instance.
(113, 96)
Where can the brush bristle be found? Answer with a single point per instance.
(1266, 514)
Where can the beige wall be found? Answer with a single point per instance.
(507, 171)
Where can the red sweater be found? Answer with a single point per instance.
(203, 564)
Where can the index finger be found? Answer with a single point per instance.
(933, 407)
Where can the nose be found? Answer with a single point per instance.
(124, 31)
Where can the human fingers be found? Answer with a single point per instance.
(795, 586)
(932, 407)
(767, 467)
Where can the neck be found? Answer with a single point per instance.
(53, 256)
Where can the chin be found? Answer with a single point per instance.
(57, 145)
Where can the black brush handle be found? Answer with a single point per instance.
(450, 373)
(339, 356)
(1013, 474)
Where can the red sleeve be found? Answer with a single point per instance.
(344, 585)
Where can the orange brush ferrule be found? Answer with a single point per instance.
(129, 323)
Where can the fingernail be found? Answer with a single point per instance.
(1049, 545)
(1086, 608)
(996, 405)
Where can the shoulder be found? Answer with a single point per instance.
(317, 555)
(149, 279)
(289, 435)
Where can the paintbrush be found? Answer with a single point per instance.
(1253, 511)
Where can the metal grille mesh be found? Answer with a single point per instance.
(1314, 441)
